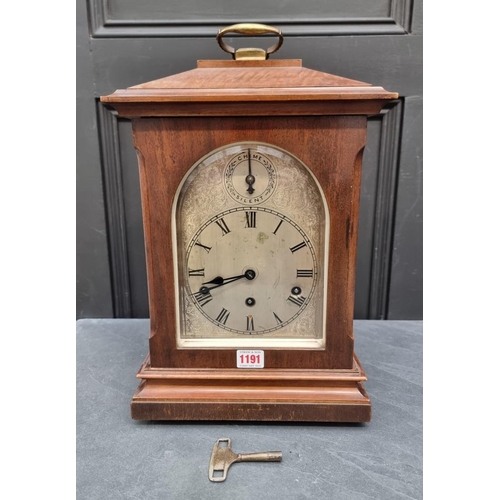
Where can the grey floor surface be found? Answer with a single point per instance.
(118, 458)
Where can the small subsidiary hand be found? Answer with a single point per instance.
(250, 179)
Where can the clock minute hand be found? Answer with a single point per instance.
(219, 281)
(206, 289)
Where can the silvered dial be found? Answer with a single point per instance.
(251, 270)
(250, 231)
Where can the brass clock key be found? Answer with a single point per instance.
(223, 457)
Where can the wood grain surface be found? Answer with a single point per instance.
(240, 83)
(330, 146)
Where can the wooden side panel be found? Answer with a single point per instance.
(330, 146)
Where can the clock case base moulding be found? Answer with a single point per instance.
(260, 395)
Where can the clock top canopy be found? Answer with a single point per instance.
(249, 86)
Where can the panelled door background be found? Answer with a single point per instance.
(124, 42)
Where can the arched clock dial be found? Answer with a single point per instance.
(251, 270)
(251, 232)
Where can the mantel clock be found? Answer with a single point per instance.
(250, 176)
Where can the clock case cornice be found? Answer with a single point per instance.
(280, 87)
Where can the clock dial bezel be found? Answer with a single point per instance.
(313, 334)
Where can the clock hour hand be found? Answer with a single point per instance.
(250, 179)
(220, 281)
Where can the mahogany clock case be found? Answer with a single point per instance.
(188, 139)
(319, 118)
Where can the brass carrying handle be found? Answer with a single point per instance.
(250, 29)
